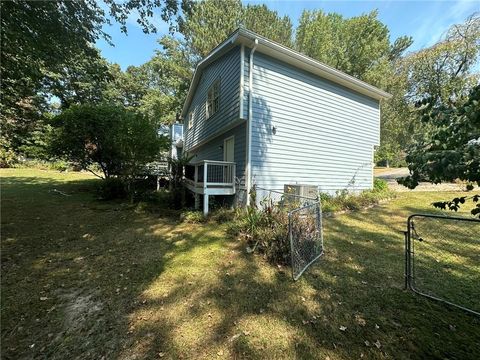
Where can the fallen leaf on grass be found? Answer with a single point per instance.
(43, 298)
(161, 354)
(360, 320)
(377, 344)
(367, 343)
(377, 327)
(343, 328)
(235, 337)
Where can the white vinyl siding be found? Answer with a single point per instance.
(324, 135)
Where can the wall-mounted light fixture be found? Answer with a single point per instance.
(220, 147)
(274, 130)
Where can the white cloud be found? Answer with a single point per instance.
(433, 26)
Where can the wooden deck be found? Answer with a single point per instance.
(210, 177)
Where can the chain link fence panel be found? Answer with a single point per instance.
(443, 259)
(304, 225)
(306, 237)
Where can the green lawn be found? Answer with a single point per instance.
(83, 278)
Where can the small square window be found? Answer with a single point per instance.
(213, 99)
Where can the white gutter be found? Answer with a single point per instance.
(249, 124)
(313, 66)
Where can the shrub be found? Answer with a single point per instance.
(380, 185)
(161, 199)
(265, 231)
(222, 215)
(60, 165)
(112, 188)
(117, 140)
(343, 200)
(7, 157)
(192, 217)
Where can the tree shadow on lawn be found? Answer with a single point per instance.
(71, 273)
(123, 284)
(249, 309)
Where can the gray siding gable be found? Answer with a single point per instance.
(227, 70)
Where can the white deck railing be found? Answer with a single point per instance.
(211, 177)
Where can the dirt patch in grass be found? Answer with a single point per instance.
(80, 310)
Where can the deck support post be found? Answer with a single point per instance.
(205, 204)
(205, 188)
(197, 201)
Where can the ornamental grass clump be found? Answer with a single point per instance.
(265, 231)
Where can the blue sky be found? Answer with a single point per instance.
(425, 21)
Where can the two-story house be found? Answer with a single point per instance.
(260, 113)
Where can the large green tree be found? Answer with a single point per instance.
(269, 23)
(118, 141)
(442, 73)
(169, 73)
(450, 148)
(359, 45)
(127, 87)
(157, 88)
(83, 81)
(42, 43)
(211, 21)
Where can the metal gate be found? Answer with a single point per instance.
(304, 226)
(442, 259)
(306, 237)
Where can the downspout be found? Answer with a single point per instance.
(249, 125)
(242, 81)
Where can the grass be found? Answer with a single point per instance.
(85, 279)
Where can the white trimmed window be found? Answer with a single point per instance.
(190, 120)
(213, 99)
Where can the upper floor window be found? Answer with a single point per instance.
(213, 99)
(190, 120)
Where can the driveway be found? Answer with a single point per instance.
(390, 175)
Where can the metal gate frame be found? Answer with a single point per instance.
(410, 258)
(303, 204)
(296, 273)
